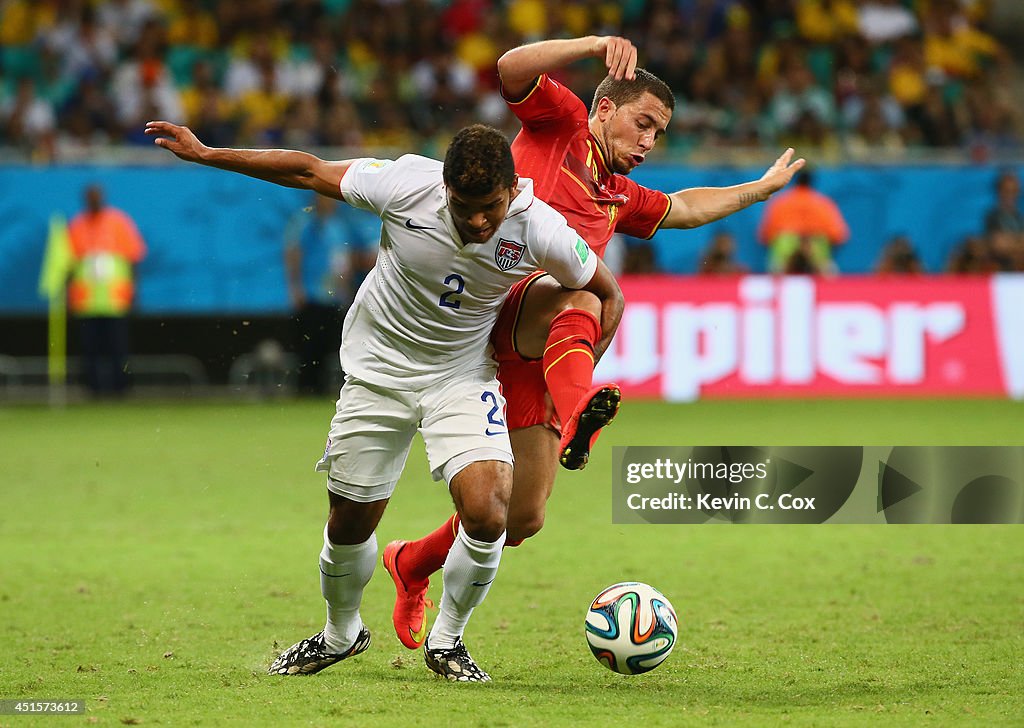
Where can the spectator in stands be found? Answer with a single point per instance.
(990, 134)
(940, 120)
(480, 47)
(751, 73)
(1004, 223)
(51, 82)
(28, 120)
(324, 262)
(260, 110)
(305, 18)
(802, 219)
(248, 71)
(854, 76)
(342, 126)
(883, 21)
(142, 85)
(799, 94)
(872, 96)
(733, 55)
(954, 45)
(105, 248)
(973, 256)
(873, 138)
(302, 127)
(207, 110)
(675, 61)
(124, 20)
(87, 48)
(826, 21)
(308, 75)
(720, 255)
(907, 74)
(192, 26)
(810, 132)
(639, 257)
(899, 257)
(748, 126)
(18, 27)
(444, 86)
(529, 19)
(701, 116)
(86, 122)
(803, 262)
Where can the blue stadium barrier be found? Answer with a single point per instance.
(215, 239)
(937, 207)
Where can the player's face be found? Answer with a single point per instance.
(630, 131)
(477, 218)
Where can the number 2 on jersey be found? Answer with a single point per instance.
(446, 299)
(493, 417)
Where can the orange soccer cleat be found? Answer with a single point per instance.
(411, 602)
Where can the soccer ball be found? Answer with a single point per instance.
(631, 628)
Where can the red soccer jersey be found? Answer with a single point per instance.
(556, 149)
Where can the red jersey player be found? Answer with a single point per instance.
(546, 338)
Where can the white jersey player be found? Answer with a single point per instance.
(425, 312)
(454, 238)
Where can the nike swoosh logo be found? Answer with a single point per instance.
(412, 226)
(477, 583)
(334, 576)
(496, 432)
(420, 634)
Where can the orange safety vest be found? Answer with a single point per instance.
(803, 212)
(105, 245)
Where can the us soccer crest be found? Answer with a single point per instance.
(508, 253)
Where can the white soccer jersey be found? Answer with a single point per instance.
(425, 312)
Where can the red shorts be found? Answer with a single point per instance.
(522, 380)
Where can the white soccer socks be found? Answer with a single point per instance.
(344, 572)
(468, 572)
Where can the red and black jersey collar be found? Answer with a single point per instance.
(603, 168)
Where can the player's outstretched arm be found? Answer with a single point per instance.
(700, 205)
(606, 288)
(281, 166)
(519, 66)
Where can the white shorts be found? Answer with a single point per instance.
(461, 421)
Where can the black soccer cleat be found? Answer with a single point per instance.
(311, 655)
(454, 664)
(596, 410)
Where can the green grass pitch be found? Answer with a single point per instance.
(154, 557)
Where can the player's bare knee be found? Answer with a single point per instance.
(485, 516)
(342, 533)
(484, 527)
(351, 522)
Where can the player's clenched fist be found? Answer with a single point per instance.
(619, 56)
(178, 139)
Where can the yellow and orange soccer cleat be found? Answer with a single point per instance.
(411, 602)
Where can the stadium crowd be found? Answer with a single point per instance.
(858, 80)
(850, 79)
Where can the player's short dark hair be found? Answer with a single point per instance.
(478, 161)
(622, 91)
